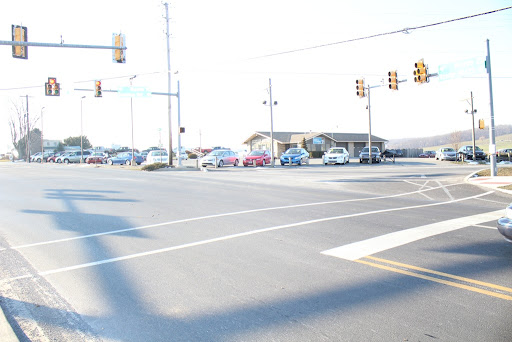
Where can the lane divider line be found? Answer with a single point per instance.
(442, 281)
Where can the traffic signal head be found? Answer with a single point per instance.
(481, 124)
(118, 55)
(360, 87)
(52, 88)
(393, 82)
(420, 72)
(19, 34)
(97, 88)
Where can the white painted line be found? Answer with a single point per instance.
(233, 236)
(374, 245)
(488, 227)
(250, 211)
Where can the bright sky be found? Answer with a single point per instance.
(215, 47)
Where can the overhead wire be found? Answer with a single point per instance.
(405, 30)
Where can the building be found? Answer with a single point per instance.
(316, 142)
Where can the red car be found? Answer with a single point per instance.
(53, 159)
(96, 158)
(257, 158)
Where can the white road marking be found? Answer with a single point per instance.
(250, 211)
(234, 236)
(377, 244)
(482, 226)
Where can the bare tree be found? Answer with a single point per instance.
(455, 139)
(20, 127)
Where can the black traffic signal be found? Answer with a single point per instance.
(97, 89)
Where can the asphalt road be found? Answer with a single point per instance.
(387, 252)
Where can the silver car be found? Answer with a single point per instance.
(220, 158)
(73, 157)
(446, 153)
(505, 224)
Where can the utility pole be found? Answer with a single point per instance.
(370, 155)
(169, 80)
(271, 125)
(473, 127)
(28, 134)
(492, 138)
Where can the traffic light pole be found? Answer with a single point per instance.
(492, 139)
(16, 43)
(369, 129)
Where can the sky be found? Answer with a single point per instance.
(224, 52)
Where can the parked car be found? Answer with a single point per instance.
(336, 155)
(295, 155)
(157, 156)
(399, 153)
(365, 155)
(96, 158)
(428, 154)
(144, 155)
(257, 158)
(505, 224)
(125, 158)
(73, 157)
(504, 154)
(53, 159)
(466, 153)
(222, 157)
(446, 153)
(389, 153)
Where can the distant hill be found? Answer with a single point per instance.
(448, 139)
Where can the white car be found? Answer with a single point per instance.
(157, 156)
(336, 155)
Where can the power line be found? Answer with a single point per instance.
(405, 30)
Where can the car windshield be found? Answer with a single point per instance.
(374, 150)
(256, 153)
(217, 153)
(447, 149)
(470, 148)
(336, 150)
(293, 151)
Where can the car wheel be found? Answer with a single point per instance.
(263, 162)
(66, 161)
(52, 161)
(221, 163)
(110, 162)
(127, 162)
(300, 162)
(236, 162)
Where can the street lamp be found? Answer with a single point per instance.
(271, 121)
(81, 130)
(131, 110)
(42, 146)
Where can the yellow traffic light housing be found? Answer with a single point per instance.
(393, 82)
(19, 34)
(118, 55)
(481, 124)
(360, 87)
(97, 89)
(420, 72)
(52, 88)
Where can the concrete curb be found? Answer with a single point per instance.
(490, 182)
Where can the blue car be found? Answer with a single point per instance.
(298, 156)
(125, 158)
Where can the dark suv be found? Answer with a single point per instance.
(466, 152)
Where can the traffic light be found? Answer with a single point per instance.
(97, 88)
(118, 55)
(52, 88)
(182, 129)
(481, 124)
(360, 87)
(19, 34)
(420, 72)
(393, 82)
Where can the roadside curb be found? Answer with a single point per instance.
(6, 332)
(489, 182)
